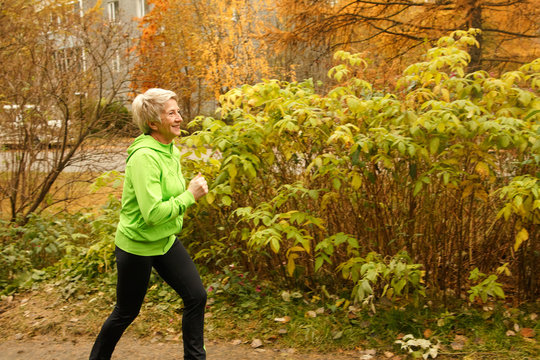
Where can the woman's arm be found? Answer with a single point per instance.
(146, 176)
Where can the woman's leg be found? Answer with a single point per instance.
(133, 276)
(179, 271)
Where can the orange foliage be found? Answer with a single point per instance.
(201, 48)
(385, 31)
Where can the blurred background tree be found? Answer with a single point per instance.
(60, 82)
(201, 49)
(393, 33)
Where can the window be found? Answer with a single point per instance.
(113, 10)
(116, 62)
(142, 7)
(78, 7)
(68, 59)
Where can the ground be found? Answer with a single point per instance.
(40, 325)
(49, 348)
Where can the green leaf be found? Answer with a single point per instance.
(274, 244)
(434, 145)
(336, 183)
(417, 187)
(531, 114)
(226, 200)
(354, 104)
(498, 291)
(318, 263)
(398, 287)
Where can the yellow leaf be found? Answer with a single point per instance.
(356, 181)
(290, 264)
(521, 236)
(231, 169)
(296, 248)
(482, 169)
(468, 190)
(445, 95)
(441, 127)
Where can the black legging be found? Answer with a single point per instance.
(179, 271)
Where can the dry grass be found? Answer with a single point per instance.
(73, 192)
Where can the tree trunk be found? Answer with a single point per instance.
(472, 17)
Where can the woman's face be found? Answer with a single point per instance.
(170, 123)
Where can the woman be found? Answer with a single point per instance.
(154, 200)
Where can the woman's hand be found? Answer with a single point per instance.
(198, 187)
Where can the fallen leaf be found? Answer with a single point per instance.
(388, 354)
(527, 332)
(428, 333)
(311, 313)
(459, 342)
(284, 319)
(510, 333)
(256, 343)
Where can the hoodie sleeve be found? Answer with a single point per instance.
(146, 176)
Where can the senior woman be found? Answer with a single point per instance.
(154, 200)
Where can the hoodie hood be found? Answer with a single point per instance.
(147, 141)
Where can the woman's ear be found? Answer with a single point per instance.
(152, 125)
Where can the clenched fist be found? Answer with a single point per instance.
(198, 187)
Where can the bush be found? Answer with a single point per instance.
(426, 169)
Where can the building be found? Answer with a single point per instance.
(118, 10)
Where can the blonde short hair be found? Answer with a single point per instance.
(147, 107)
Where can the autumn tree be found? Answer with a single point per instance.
(201, 48)
(61, 77)
(384, 31)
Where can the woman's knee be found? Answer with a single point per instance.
(197, 297)
(125, 315)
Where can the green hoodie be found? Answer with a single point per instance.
(154, 198)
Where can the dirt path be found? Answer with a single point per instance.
(45, 348)
(41, 326)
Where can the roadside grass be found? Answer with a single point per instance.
(246, 310)
(463, 332)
